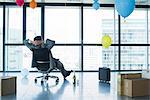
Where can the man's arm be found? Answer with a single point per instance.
(49, 43)
(29, 45)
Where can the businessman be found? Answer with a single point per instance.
(39, 43)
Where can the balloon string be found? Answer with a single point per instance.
(124, 20)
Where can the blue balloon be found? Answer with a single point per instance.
(125, 7)
(95, 0)
(96, 5)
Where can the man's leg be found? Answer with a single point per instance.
(60, 66)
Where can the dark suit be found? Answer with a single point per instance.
(49, 44)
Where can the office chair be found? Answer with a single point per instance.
(44, 64)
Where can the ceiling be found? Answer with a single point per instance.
(139, 2)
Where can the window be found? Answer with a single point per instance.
(18, 57)
(133, 57)
(95, 57)
(62, 24)
(148, 39)
(33, 22)
(13, 58)
(27, 57)
(14, 25)
(134, 28)
(98, 23)
(1, 39)
(148, 26)
(68, 55)
(92, 57)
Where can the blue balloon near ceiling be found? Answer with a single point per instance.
(125, 7)
(95, 0)
(96, 5)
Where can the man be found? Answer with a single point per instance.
(39, 43)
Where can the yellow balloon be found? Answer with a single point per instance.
(106, 41)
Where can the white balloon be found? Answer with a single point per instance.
(25, 72)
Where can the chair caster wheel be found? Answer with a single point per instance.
(46, 78)
(35, 80)
(42, 82)
(57, 80)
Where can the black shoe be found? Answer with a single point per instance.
(67, 74)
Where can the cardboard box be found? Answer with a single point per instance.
(121, 77)
(7, 85)
(136, 87)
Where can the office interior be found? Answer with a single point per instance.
(77, 27)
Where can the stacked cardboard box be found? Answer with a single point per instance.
(136, 87)
(121, 78)
(7, 85)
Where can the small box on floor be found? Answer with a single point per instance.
(7, 85)
(104, 74)
(136, 87)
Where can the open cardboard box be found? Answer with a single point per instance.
(136, 87)
(121, 78)
(7, 85)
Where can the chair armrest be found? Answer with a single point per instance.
(42, 62)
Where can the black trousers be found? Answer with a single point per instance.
(58, 65)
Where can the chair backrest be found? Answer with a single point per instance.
(41, 54)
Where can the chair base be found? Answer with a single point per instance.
(46, 77)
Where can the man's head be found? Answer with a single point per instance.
(38, 40)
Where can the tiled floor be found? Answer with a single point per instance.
(87, 87)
